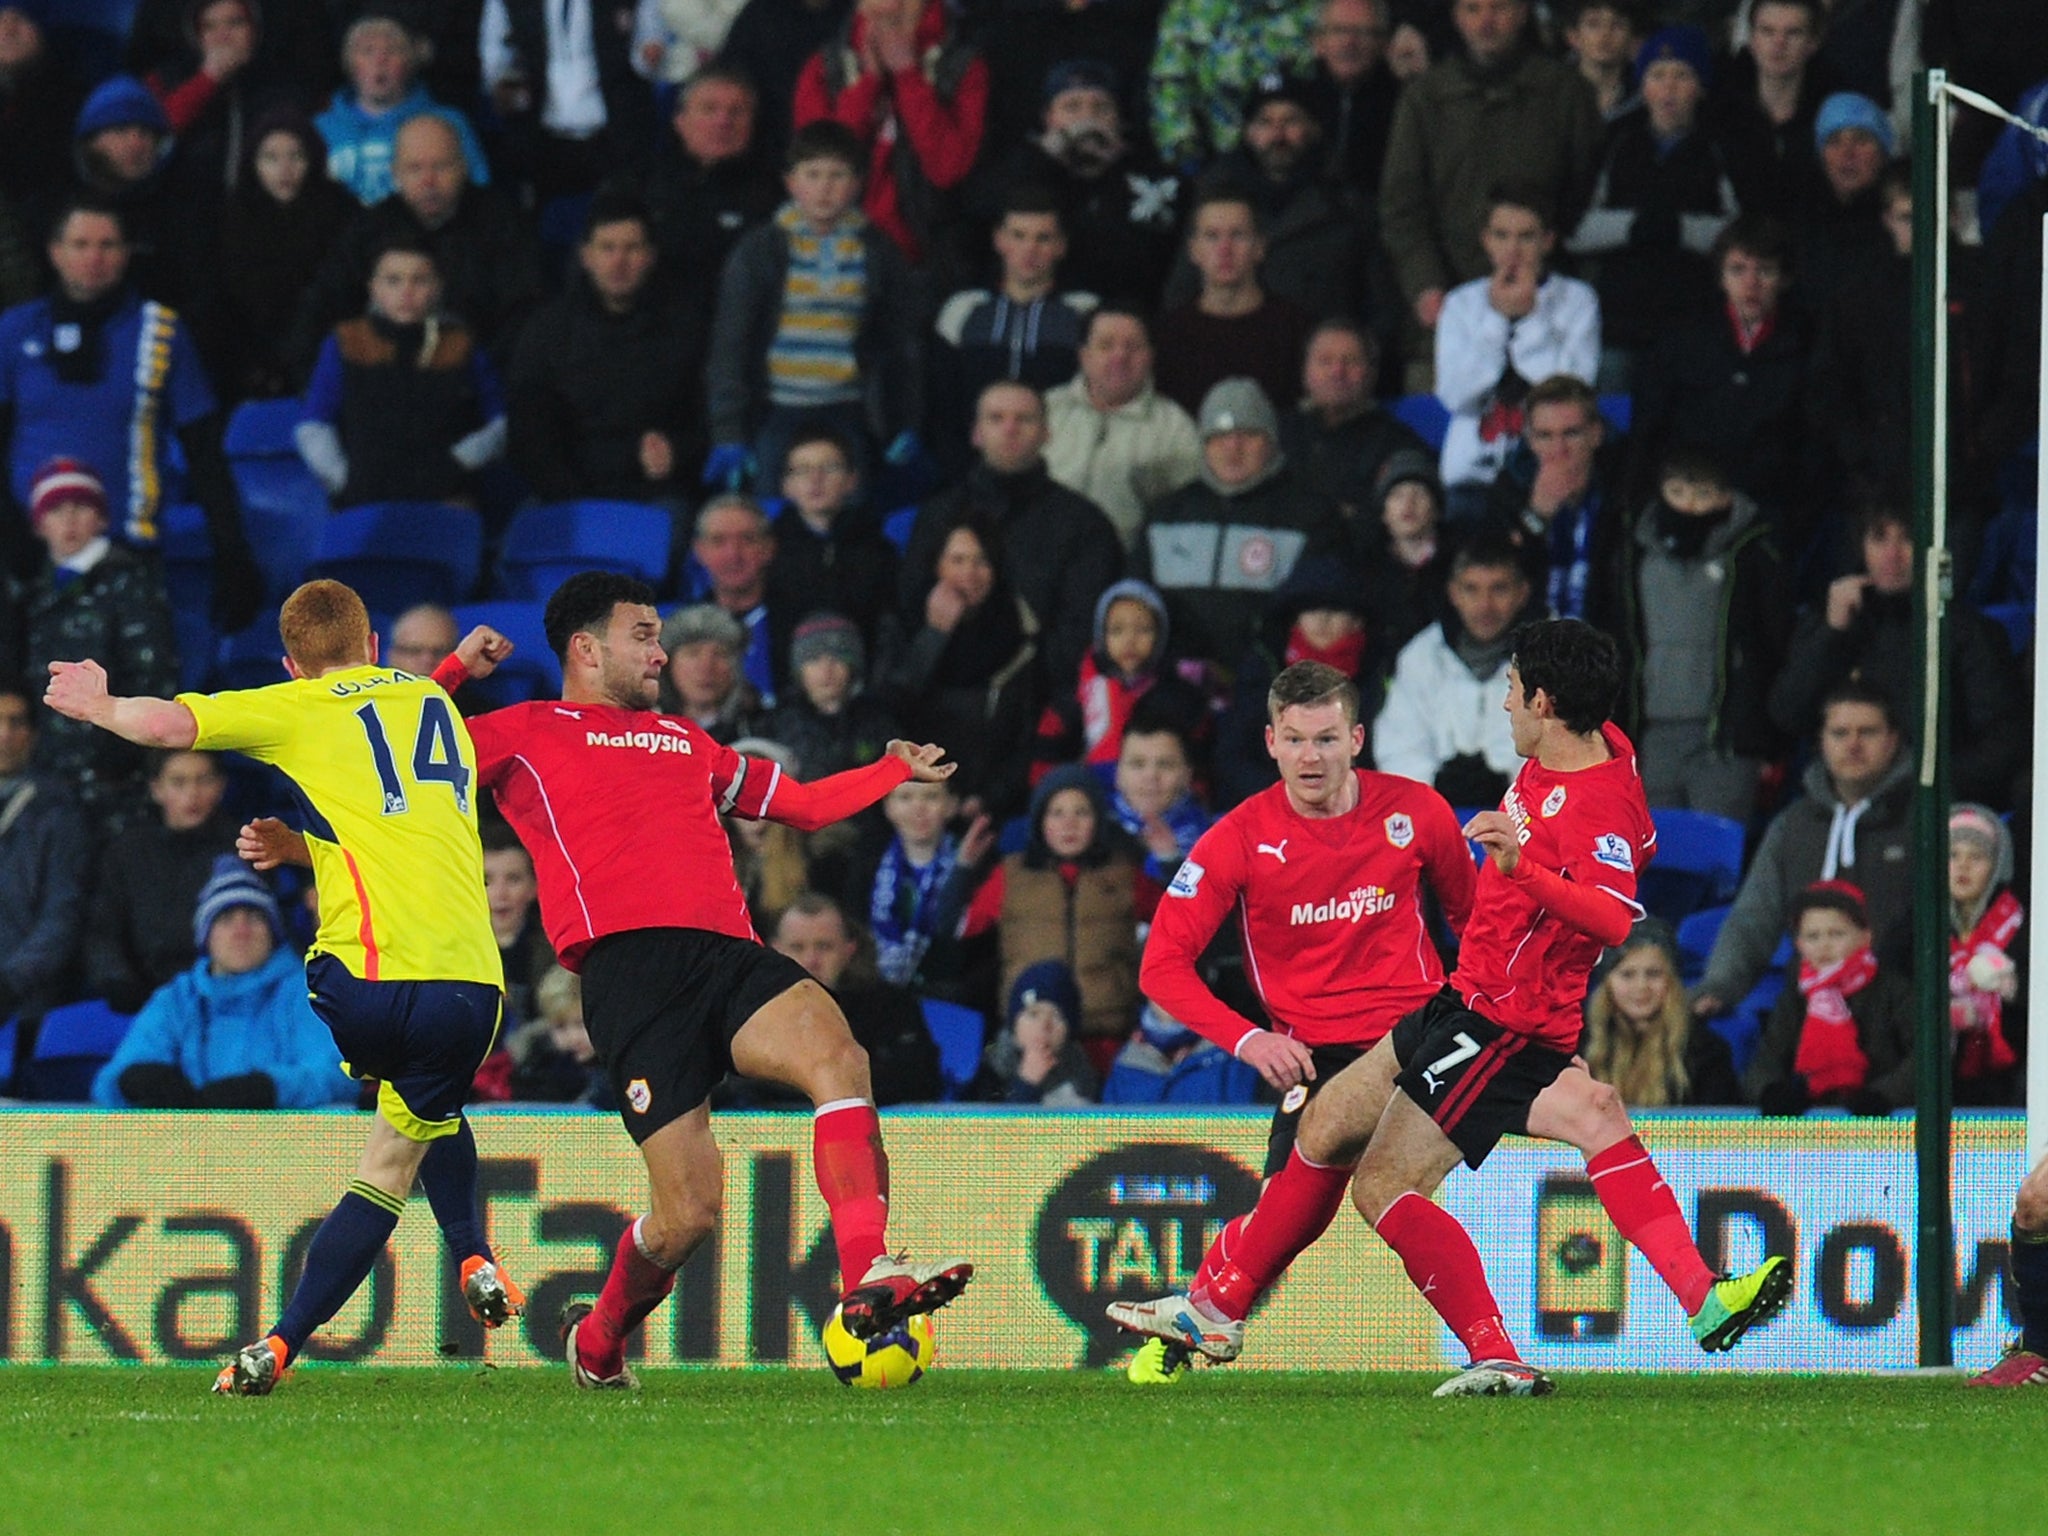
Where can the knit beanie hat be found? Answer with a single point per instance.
(121, 101)
(1846, 109)
(1046, 981)
(1832, 896)
(1681, 45)
(233, 884)
(828, 634)
(1238, 405)
(1405, 465)
(703, 621)
(62, 480)
(1078, 75)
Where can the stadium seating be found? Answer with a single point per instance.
(10, 1032)
(1425, 415)
(251, 658)
(2017, 620)
(262, 429)
(532, 671)
(1696, 934)
(399, 553)
(957, 1031)
(546, 545)
(897, 525)
(1698, 863)
(188, 580)
(73, 1043)
(1619, 410)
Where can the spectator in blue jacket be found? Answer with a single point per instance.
(235, 1031)
(1165, 1062)
(382, 59)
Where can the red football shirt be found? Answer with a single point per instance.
(1334, 936)
(1520, 965)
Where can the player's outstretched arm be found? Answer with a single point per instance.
(474, 658)
(807, 807)
(925, 767)
(78, 691)
(1597, 913)
(267, 843)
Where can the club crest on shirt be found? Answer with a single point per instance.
(1185, 879)
(1612, 849)
(638, 1096)
(1553, 802)
(1400, 830)
(1296, 1097)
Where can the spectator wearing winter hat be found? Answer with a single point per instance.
(1165, 1062)
(235, 1031)
(1037, 1058)
(824, 717)
(1111, 436)
(1840, 236)
(1233, 327)
(121, 145)
(1219, 549)
(1319, 253)
(703, 682)
(1403, 554)
(1076, 894)
(93, 372)
(1843, 1033)
(1338, 437)
(1662, 197)
(94, 598)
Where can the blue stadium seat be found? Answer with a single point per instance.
(1014, 836)
(547, 545)
(10, 1032)
(957, 1031)
(1696, 934)
(284, 487)
(73, 1043)
(254, 658)
(1619, 410)
(897, 525)
(1743, 1024)
(399, 553)
(533, 671)
(2017, 620)
(1698, 863)
(262, 429)
(1426, 415)
(188, 580)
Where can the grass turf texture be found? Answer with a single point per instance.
(370, 1450)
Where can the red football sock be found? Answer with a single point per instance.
(1294, 1209)
(1641, 1206)
(1220, 1253)
(1445, 1267)
(634, 1288)
(853, 1176)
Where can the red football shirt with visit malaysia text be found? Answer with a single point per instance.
(1335, 939)
(1519, 965)
(619, 808)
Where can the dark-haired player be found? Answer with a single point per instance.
(1323, 872)
(403, 970)
(1492, 1053)
(619, 806)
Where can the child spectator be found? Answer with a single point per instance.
(1165, 1062)
(1601, 35)
(1640, 1037)
(1154, 798)
(1844, 1034)
(140, 934)
(920, 886)
(282, 218)
(703, 682)
(94, 598)
(513, 895)
(1987, 949)
(814, 324)
(1076, 894)
(1022, 330)
(1128, 662)
(825, 719)
(1662, 198)
(1498, 335)
(1706, 614)
(553, 1060)
(965, 676)
(381, 57)
(235, 1031)
(1036, 1059)
(1405, 556)
(827, 547)
(403, 404)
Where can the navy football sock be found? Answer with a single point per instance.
(2030, 1276)
(449, 1173)
(339, 1260)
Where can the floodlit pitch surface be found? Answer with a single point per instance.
(469, 1449)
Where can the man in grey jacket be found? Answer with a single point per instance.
(1854, 823)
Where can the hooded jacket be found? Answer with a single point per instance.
(1436, 710)
(213, 1026)
(1818, 838)
(361, 144)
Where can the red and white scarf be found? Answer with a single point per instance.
(1830, 1057)
(1981, 1047)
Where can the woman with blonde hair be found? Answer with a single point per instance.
(1641, 1038)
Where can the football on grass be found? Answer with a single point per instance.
(892, 1359)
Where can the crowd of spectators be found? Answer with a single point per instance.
(1040, 380)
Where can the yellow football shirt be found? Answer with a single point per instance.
(385, 776)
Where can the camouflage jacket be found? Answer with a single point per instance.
(1211, 55)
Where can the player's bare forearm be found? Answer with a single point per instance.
(268, 843)
(78, 691)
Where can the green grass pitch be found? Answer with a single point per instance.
(519, 1453)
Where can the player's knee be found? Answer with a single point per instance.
(685, 1221)
(840, 1069)
(1596, 1119)
(1371, 1196)
(2030, 1210)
